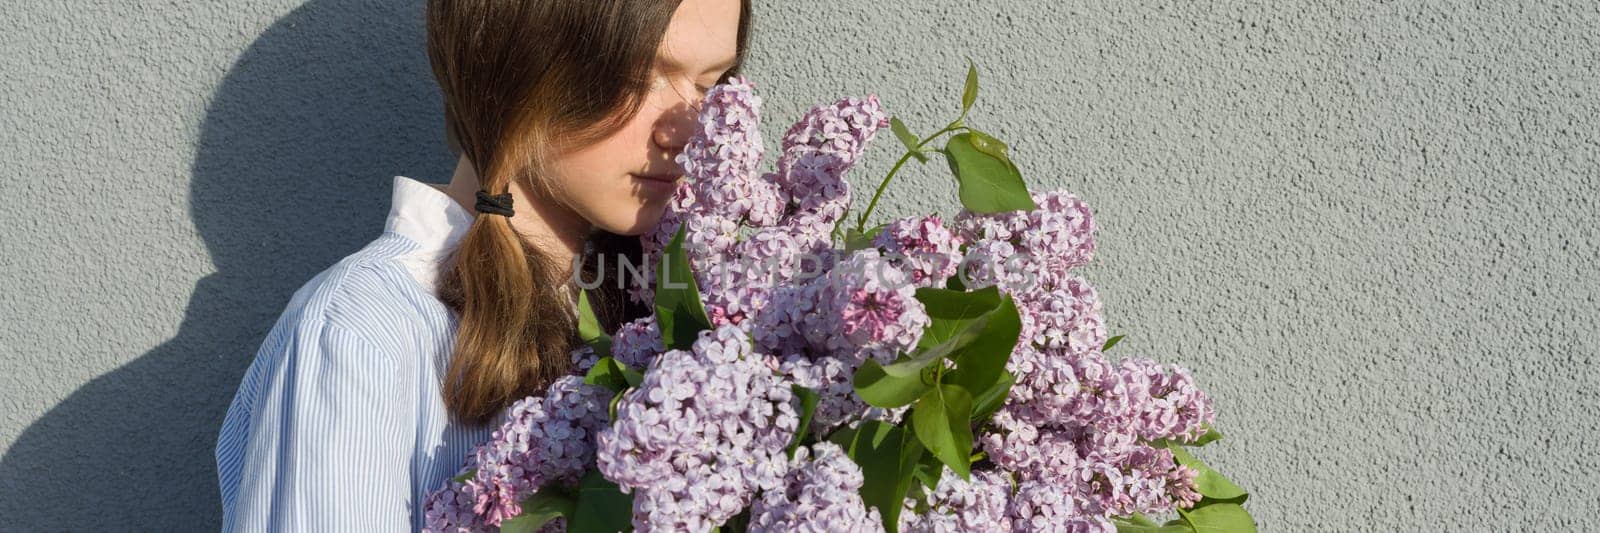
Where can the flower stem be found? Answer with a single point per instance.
(861, 223)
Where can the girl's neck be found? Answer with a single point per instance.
(554, 229)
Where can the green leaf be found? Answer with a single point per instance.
(854, 240)
(969, 94)
(883, 390)
(633, 377)
(989, 401)
(1210, 483)
(611, 409)
(942, 420)
(608, 373)
(1211, 435)
(907, 138)
(808, 408)
(888, 458)
(913, 366)
(955, 284)
(980, 363)
(546, 505)
(988, 184)
(989, 145)
(679, 311)
(1219, 517)
(929, 470)
(843, 436)
(589, 327)
(1111, 342)
(465, 476)
(957, 319)
(1125, 525)
(738, 524)
(1136, 519)
(601, 507)
(950, 310)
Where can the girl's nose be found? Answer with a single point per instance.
(676, 125)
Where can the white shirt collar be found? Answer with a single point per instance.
(432, 219)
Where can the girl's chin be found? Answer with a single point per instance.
(639, 221)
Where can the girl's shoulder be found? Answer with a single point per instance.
(374, 294)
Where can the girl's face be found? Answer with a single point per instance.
(621, 184)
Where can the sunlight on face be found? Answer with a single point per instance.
(621, 184)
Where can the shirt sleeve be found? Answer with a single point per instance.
(316, 438)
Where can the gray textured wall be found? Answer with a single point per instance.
(1368, 227)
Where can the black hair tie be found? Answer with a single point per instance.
(494, 204)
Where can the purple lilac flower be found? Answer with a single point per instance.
(543, 440)
(866, 308)
(1058, 309)
(704, 431)
(1135, 481)
(637, 343)
(740, 284)
(1038, 506)
(1065, 312)
(998, 263)
(830, 378)
(583, 359)
(720, 159)
(1081, 425)
(452, 509)
(1054, 387)
(1173, 407)
(1181, 487)
(818, 150)
(822, 329)
(1034, 453)
(957, 505)
(923, 247)
(1059, 235)
(799, 203)
(778, 329)
(837, 402)
(1029, 255)
(820, 493)
(862, 307)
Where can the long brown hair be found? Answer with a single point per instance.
(523, 79)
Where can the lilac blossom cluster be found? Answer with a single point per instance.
(989, 502)
(1076, 434)
(1029, 254)
(789, 213)
(824, 328)
(761, 248)
(921, 246)
(703, 433)
(1084, 425)
(544, 440)
(820, 493)
(1073, 448)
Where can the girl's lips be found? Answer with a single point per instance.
(669, 178)
(657, 184)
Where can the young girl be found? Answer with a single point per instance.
(385, 370)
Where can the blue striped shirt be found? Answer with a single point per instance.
(339, 424)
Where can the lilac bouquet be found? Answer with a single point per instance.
(798, 374)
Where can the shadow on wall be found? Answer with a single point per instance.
(293, 171)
